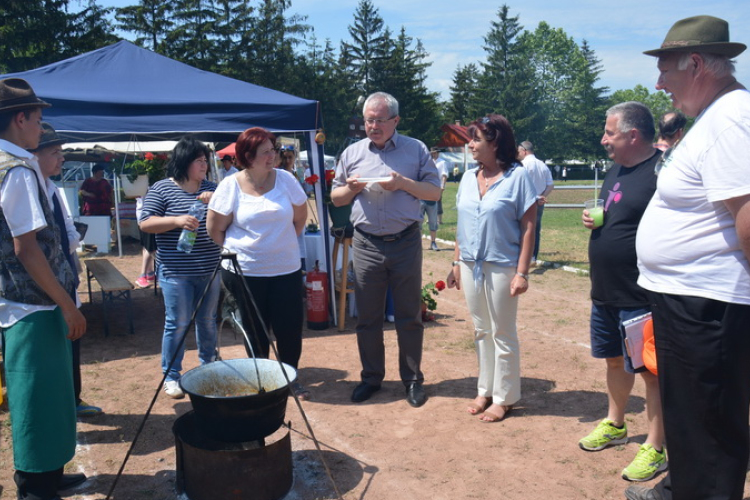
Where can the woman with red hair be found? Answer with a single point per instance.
(258, 213)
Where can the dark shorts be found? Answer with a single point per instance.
(148, 241)
(608, 335)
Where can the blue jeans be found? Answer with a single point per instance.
(181, 296)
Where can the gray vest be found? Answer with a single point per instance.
(15, 282)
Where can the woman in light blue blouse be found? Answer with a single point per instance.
(496, 205)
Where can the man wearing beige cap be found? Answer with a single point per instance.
(38, 317)
(693, 246)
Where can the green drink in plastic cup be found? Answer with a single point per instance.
(596, 211)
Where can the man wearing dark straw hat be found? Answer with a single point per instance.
(49, 155)
(693, 247)
(38, 317)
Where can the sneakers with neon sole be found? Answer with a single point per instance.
(647, 463)
(605, 434)
(83, 409)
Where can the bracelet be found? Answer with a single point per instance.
(455, 263)
(524, 276)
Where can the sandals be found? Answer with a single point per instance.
(492, 417)
(475, 409)
(300, 391)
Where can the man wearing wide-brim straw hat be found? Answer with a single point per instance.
(693, 248)
(38, 317)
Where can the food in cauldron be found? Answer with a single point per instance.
(229, 403)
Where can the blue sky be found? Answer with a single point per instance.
(452, 31)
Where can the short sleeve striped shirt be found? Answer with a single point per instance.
(166, 199)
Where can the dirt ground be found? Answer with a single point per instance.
(381, 449)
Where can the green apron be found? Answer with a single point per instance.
(39, 380)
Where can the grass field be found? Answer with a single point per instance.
(564, 239)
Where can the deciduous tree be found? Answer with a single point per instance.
(658, 102)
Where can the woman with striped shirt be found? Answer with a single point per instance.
(184, 276)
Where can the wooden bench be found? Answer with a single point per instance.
(113, 284)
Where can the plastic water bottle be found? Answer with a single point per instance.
(187, 237)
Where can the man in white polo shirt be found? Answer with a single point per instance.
(542, 179)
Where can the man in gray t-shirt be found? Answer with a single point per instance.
(384, 177)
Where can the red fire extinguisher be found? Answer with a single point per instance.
(316, 284)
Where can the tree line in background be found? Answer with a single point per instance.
(542, 81)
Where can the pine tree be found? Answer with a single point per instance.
(506, 85)
(150, 20)
(191, 39)
(327, 81)
(587, 108)
(464, 102)
(368, 45)
(38, 32)
(265, 54)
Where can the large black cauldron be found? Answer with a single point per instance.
(227, 404)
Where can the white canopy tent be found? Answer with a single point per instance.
(131, 147)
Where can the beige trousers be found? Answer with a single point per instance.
(493, 311)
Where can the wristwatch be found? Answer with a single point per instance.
(455, 263)
(524, 276)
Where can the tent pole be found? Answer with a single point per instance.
(317, 166)
(117, 209)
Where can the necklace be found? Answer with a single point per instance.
(261, 186)
(488, 179)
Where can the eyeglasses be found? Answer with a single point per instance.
(379, 121)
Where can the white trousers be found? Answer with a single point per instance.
(493, 311)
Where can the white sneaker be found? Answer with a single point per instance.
(172, 389)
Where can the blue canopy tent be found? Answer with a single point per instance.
(122, 90)
(126, 93)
